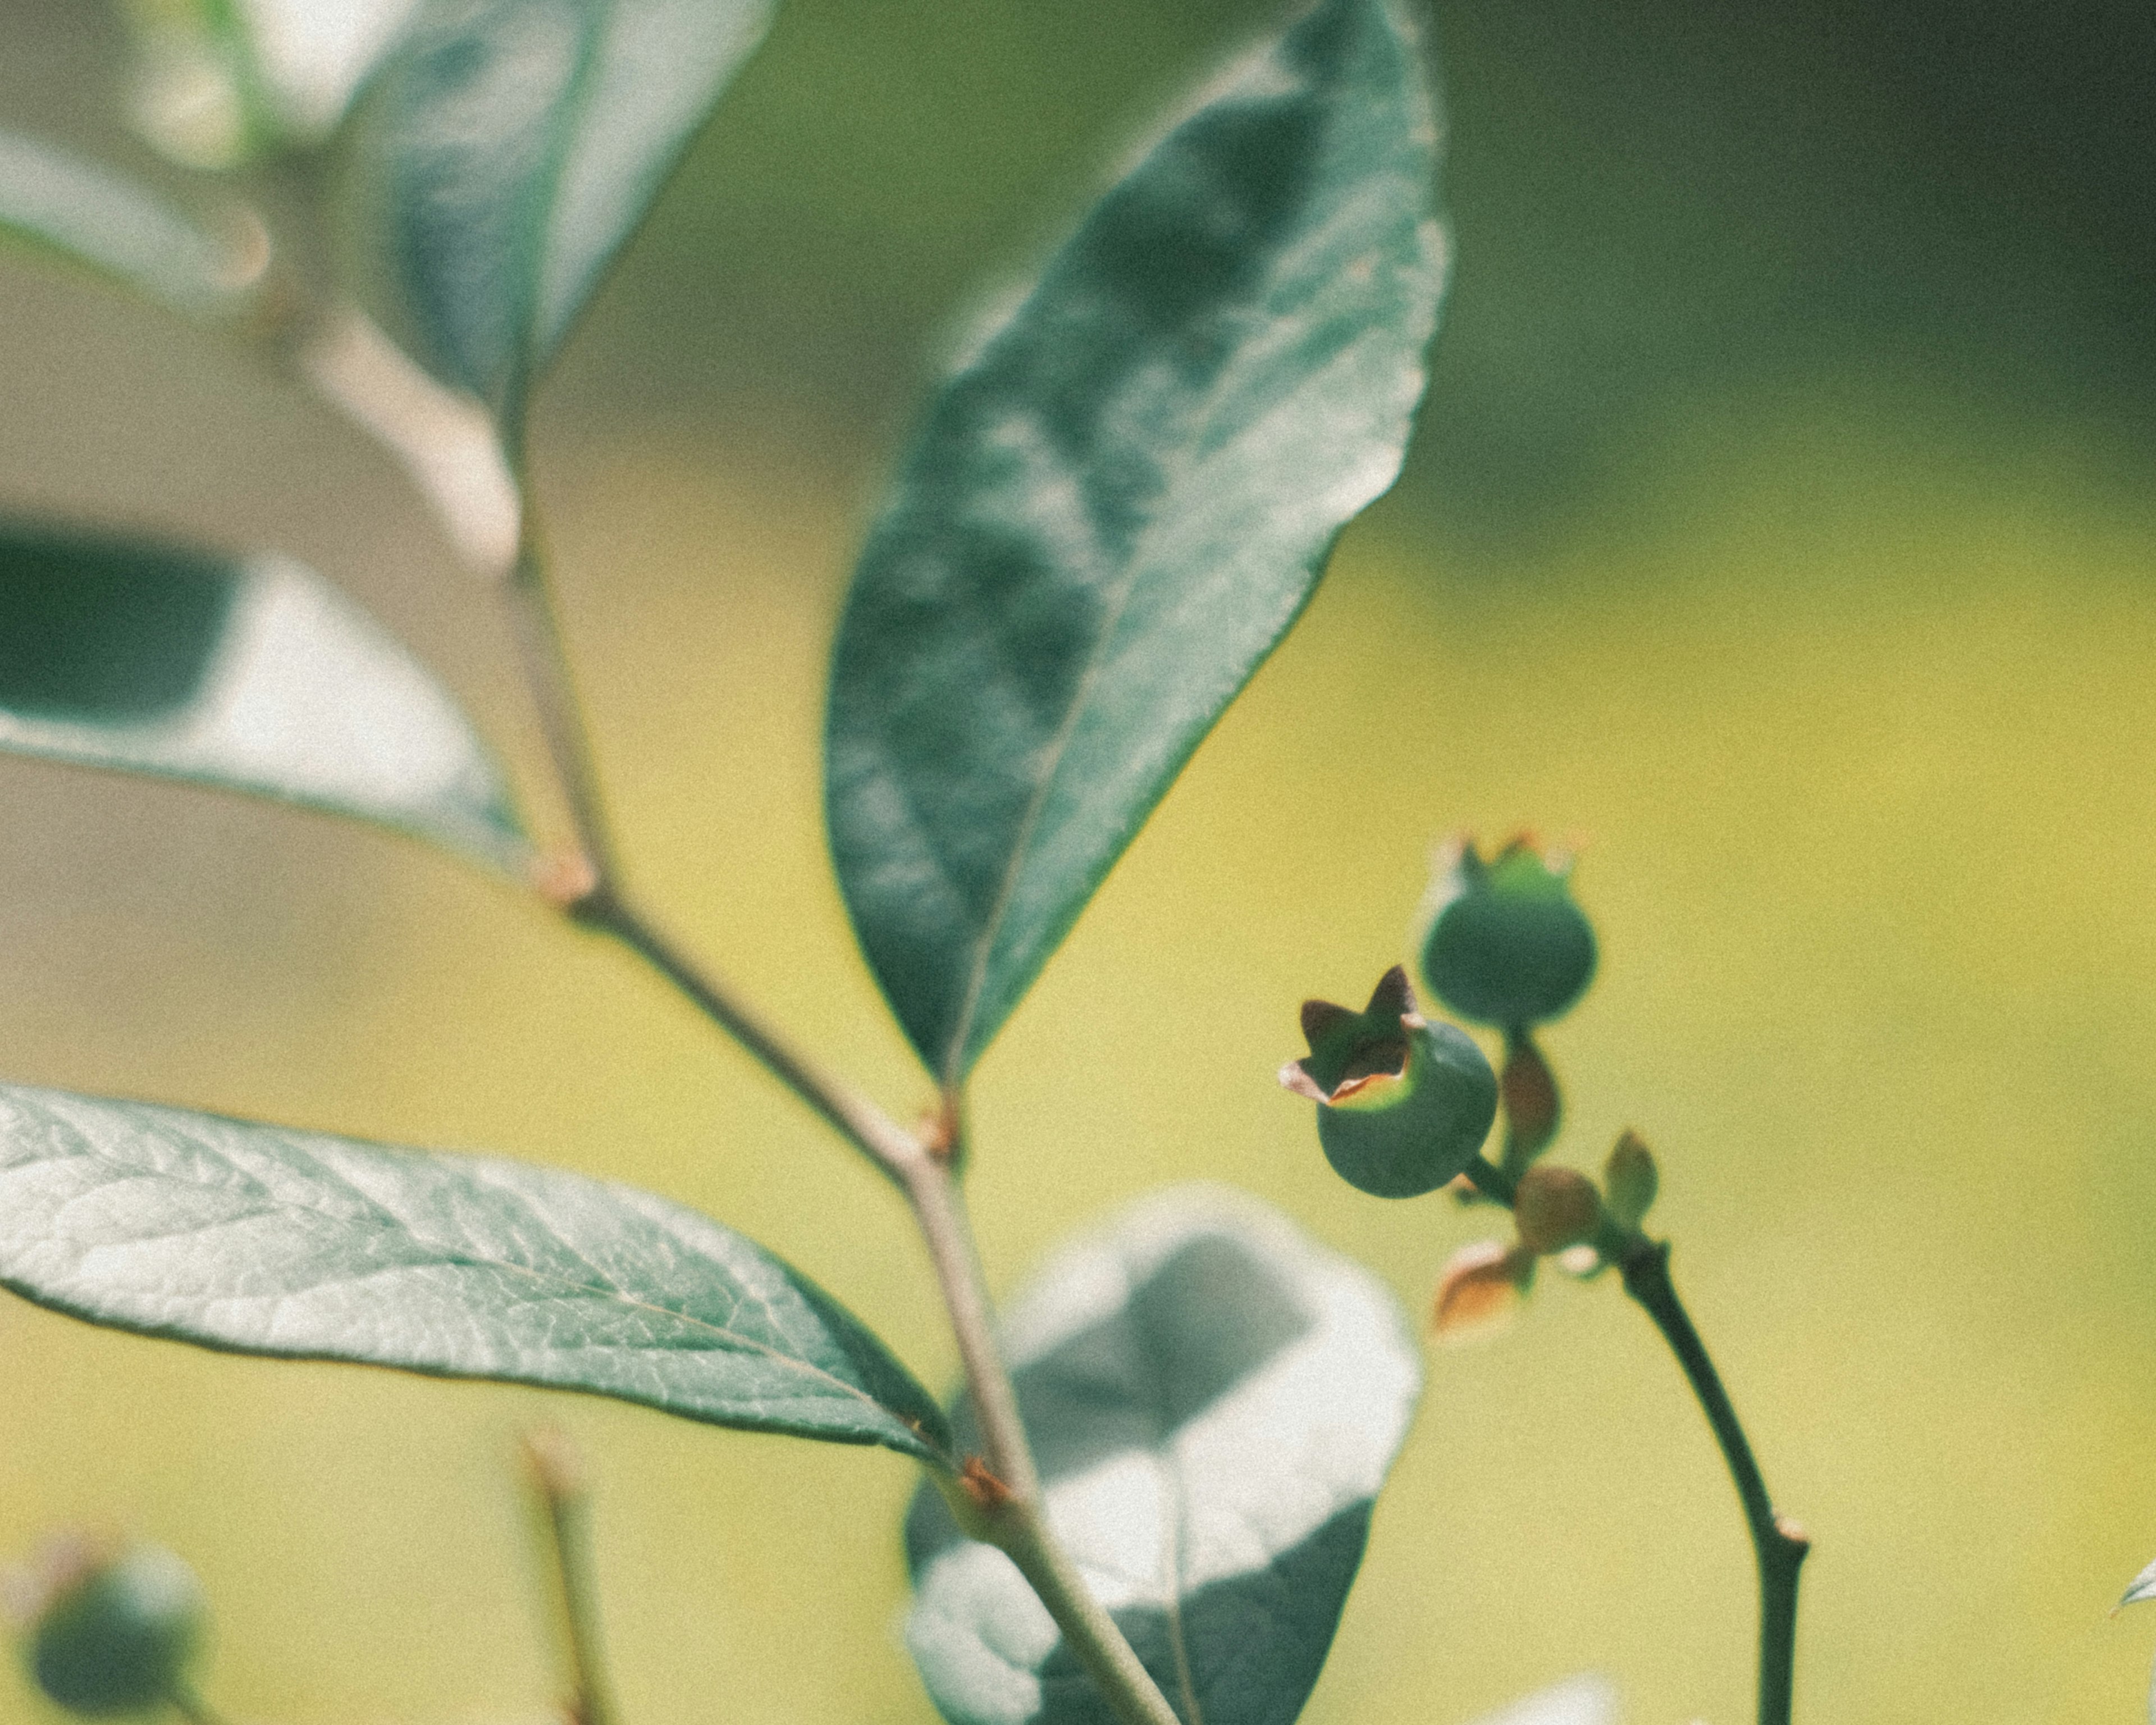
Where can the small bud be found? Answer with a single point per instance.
(1631, 1179)
(1402, 1105)
(110, 1629)
(1555, 1208)
(567, 880)
(1479, 1291)
(1507, 945)
(1580, 1262)
(1528, 1089)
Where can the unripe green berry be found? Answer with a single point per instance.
(1402, 1105)
(114, 1628)
(1507, 945)
(1555, 1208)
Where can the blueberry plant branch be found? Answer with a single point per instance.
(1260, 287)
(366, 379)
(1405, 1106)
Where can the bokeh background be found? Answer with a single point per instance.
(1780, 528)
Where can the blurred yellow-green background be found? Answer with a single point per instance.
(1781, 530)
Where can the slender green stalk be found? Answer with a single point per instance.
(528, 596)
(1086, 1626)
(891, 1149)
(558, 1479)
(1779, 1546)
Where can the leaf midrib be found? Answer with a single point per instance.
(455, 1258)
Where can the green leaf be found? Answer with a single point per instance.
(1580, 1701)
(59, 203)
(312, 57)
(252, 674)
(1214, 1401)
(1115, 509)
(255, 1239)
(514, 145)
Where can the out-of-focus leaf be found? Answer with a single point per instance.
(1579, 1700)
(1118, 505)
(2143, 1587)
(314, 54)
(60, 203)
(513, 146)
(255, 1239)
(1214, 1401)
(252, 674)
(199, 96)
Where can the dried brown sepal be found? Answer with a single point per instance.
(1349, 1050)
(1555, 1208)
(1479, 1291)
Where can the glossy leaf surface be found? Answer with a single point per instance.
(1214, 1401)
(1116, 507)
(57, 201)
(257, 1239)
(251, 674)
(514, 145)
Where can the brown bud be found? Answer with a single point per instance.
(1528, 1089)
(555, 1463)
(1479, 1290)
(988, 1493)
(1555, 1208)
(565, 879)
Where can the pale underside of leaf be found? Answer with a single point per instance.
(248, 674)
(1586, 1700)
(1118, 506)
(517, 144)
(1214, 1401)
(257, 1239)
(85, 212)
(314, 56)
(2143, 1587)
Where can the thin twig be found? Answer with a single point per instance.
(939, 1209)
(528, 595)
(1779, 1546)
(590, 893)
(1091, 1634)
(558, 1481)
(1007, 1501)
(888, 1145)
